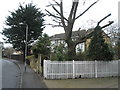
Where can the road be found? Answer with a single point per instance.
(10, 74)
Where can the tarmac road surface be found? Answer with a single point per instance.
(10, 74)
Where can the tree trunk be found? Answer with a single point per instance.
(71, 50)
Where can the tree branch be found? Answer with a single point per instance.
(71, 12)
(87, 9)
(57, 26)
(103, 19)
(53, 25)
(79, 35)
(107, 24)
(56, 3)
(59, 13)
(56, 10)
(57, 21)
(83, 38)
(50, 14)
(75, 10)
(62, 16)
(51, 5)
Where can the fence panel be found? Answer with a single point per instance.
(84, 69)
(79, 69)
(105, 69)
(59, 69)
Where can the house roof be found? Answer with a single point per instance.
(62, 35)
(74, 34)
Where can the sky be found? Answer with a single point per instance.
(88, 20)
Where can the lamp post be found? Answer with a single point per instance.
(26, 45)
(26, 39)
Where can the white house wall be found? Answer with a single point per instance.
(80, 46)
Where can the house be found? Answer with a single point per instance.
(59, 39)
(105, 36)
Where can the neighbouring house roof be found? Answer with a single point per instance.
(74, 34)
(57, 37)
(62, 35)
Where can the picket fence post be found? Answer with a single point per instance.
(45, 69)
(73, 69)
(96, 74)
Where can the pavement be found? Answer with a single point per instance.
(29, 79)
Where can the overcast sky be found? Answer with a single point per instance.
(88, 20)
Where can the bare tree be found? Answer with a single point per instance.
(68, 23)
(112, 32)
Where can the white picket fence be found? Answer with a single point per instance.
(79, 69)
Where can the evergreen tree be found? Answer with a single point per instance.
(42, 46)
(16, 22)
(98, 48)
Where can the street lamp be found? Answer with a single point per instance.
(25, 43)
